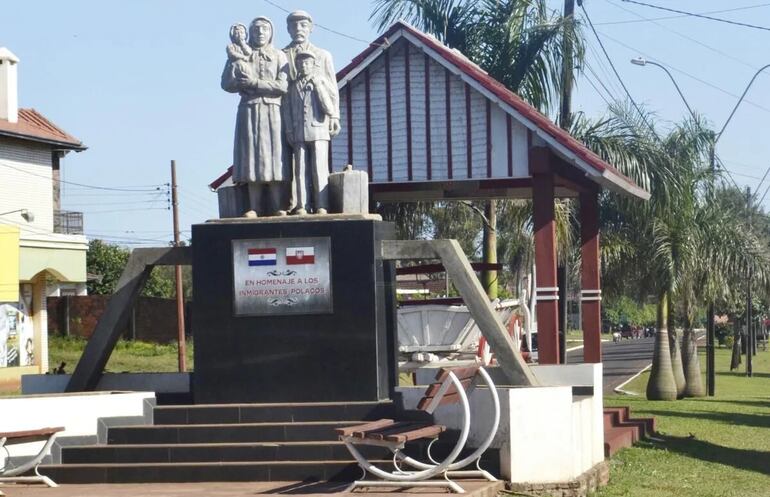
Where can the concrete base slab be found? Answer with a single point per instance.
(219, 489)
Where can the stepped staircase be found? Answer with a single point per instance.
(230, 442)
(621, 430)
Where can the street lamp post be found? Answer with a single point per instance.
(27, 214)
(710, 371)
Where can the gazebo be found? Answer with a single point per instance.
(426, 123)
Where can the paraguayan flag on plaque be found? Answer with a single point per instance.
(262, 257)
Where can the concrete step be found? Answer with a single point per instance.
(622, 412)
(265, 413)
(616, 439)
(215, 452)
(201, 472)
(226, 433)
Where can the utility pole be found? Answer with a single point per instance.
(178, 275)
(710, 338)
(565, 121)
(567, 76)
(749, 310)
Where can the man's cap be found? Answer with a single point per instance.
(303, 54)
(297, 15)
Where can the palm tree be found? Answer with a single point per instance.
(518, 42)
(648, 238)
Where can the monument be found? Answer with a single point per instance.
(295, 308)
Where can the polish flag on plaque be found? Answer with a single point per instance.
(300, 255)
(262, 257)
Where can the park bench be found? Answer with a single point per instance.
(12, 474)
(451, 387)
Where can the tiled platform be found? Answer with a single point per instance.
(220, 489)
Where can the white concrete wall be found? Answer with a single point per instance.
(26, 183)
(591, 410)
(77, 413)
(546, 434)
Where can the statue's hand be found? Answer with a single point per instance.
(334, 126)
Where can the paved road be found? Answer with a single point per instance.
(621, 360)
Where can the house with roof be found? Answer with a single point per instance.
(427, 123)
(42, 247)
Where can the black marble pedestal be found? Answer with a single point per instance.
(346, 353)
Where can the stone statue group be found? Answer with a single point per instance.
(289, 111)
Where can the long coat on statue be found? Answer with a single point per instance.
(258, 150)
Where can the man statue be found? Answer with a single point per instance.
(259, 74)
(308, 110)
(300, 25)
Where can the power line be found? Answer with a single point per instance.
(601, 83)
(322, 26)
(617, 75)
(137, 188)
(110, 211)
(702, 16)
(663, 18)
(686, 37)
(680, 71)
(597, 90)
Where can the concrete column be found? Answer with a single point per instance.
(40, 322)
(590, 295)
(546, 288)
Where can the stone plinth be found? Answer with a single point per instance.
(344, 351)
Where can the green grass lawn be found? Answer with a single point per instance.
(128, 356)
(718, 446)
(574, 336)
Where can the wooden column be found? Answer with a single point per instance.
(546, 290)
(590, 294)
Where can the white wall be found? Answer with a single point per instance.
(26, 183)
(77, 413)
(546, 434)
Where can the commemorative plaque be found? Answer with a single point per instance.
(281, 276)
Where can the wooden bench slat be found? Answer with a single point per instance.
(26, 436)
(400, 427)
(461, 373)
(434, 387)
(452, 398)
(430, 431)
(27, 433)
(347, 431)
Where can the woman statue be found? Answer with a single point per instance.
(261, 79)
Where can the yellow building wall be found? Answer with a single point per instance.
(9, 263)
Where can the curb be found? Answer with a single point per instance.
(619, 388)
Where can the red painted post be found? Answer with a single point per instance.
(546, 290)
(590, 295)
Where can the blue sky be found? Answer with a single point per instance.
(138, 82)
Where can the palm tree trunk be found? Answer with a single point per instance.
(676, 356)
(489, 250)
(661, 385)
(735, 360)
(694, 387)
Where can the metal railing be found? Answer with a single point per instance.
(68, 222)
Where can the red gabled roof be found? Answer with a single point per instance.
(221, 179)
(499, 90)
(32, 125)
